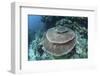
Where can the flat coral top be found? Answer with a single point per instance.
(60, 35)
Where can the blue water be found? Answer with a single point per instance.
(35, 23)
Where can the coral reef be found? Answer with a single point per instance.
(78, 24)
